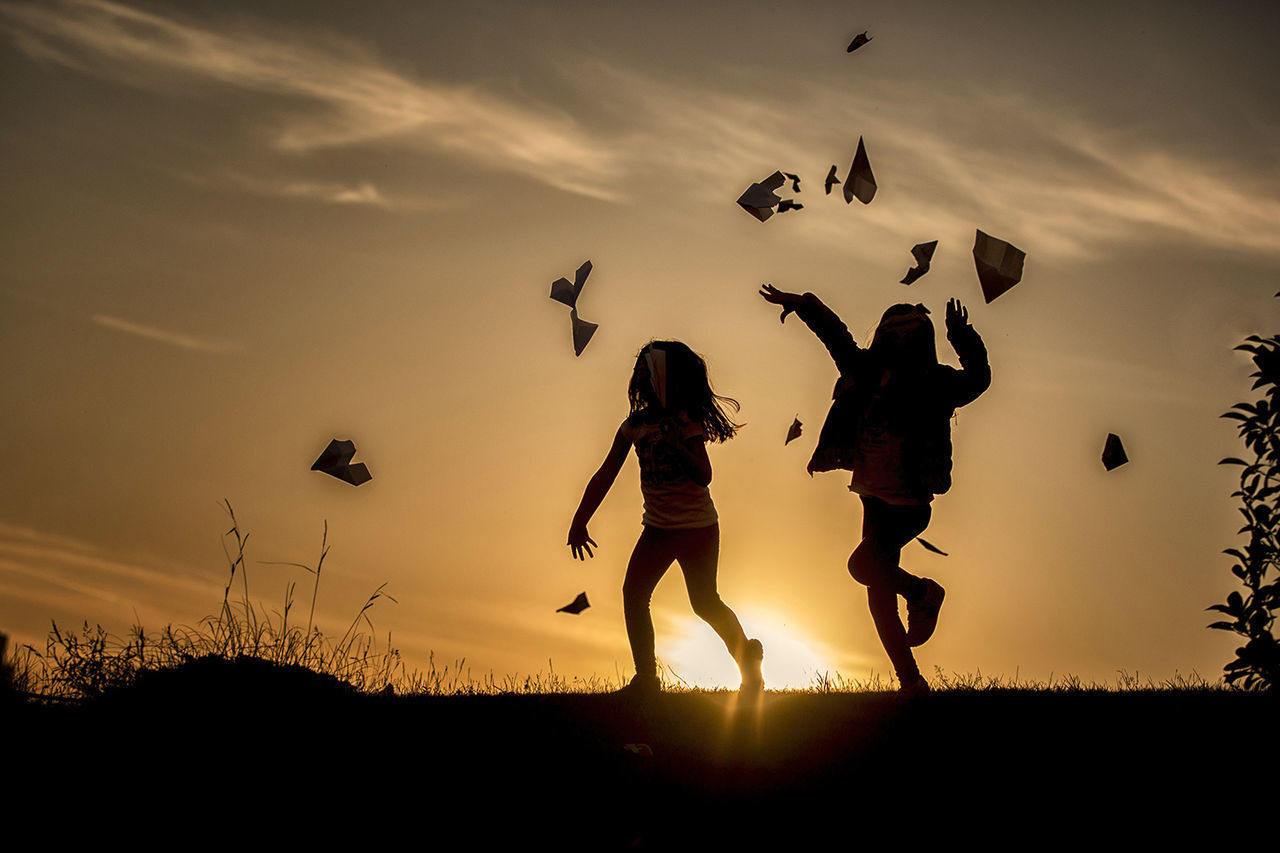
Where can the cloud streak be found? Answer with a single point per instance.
(173, 339)
(345, 96)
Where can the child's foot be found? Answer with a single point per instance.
(913, 686)
(752, 679)
(642, 686)
(922, 614)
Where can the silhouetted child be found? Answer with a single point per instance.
(674, 413)
(890, 424)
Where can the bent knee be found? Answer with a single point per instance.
(708, 607)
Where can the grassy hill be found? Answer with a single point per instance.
(279, 752)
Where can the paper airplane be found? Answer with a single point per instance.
(860, 184)
(858, 41)
(794, 432)
(923, 253)
(931, 547)
(582, 331)
(760, 199)
(656, 361)
(832, 180)
(563, 291)
(794, 179)
(336, 462)
(576, 606)
(999, 265)
(567, 293)
(1113, 455)
(787, 204)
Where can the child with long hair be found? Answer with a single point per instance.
(890, 425)
(673, 413)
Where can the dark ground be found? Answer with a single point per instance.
(276, 757)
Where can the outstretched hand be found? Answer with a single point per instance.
(788, 301)
(580, 542)
(957, 317)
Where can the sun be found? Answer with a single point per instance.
(791, 659)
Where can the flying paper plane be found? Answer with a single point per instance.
(858, 41)
(999, 265)
(336, 462)
(582, 331)
(567, 293)
(1113, 455)
(656, 361)
(563, 291)
(923, 253)
(760, 199)
(931, 547)
(794, 432)
(860, 184)
(794, 179)
(576, 606)
(832, 180)
(788, 204)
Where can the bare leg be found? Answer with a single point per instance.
(650, 559)
(699, 556)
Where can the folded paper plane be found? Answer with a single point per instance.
(923, 253)
(760, 199)
(563, 291)
(567, 293)
(832, 180)
(794, 179)
(999, 265)
(794, 432)
(858, 41)
(336, 462)
(656, 361)
(861, 183)
(582, 331)
(1113, 455)
(788, 204)
(928, 546)
(576, 606)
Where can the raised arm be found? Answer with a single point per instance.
(598, 486)
(974, 375)
(822, 321)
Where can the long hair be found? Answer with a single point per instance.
(688, 390)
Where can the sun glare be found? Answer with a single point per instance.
(698, 657)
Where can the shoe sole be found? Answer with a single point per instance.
(915, 641)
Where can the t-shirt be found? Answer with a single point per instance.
(672, 500)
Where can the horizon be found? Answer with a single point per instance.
(235, 234)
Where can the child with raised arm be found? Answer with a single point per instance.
(890, 425)
(673, 413)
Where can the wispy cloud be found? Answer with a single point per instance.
(362, 193)
(164, 336)
(351, 97)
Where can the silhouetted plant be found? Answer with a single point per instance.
(1253, 615)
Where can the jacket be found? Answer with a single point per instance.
(892, 429)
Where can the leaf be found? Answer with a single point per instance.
(1223, 626)
(1235, 416)
(1232, 460)
(1221, 608)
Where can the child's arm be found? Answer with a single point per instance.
(597, 488)
(974, 375)
(821, 320)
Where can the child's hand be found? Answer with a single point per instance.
(957, 317)
(580, 541)
(788, 301)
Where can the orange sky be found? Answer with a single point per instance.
(232, 234)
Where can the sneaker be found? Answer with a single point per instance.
(642, 686)
(922, 615)
(913, 686)
(752, 679)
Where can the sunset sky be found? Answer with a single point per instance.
(235, 230)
